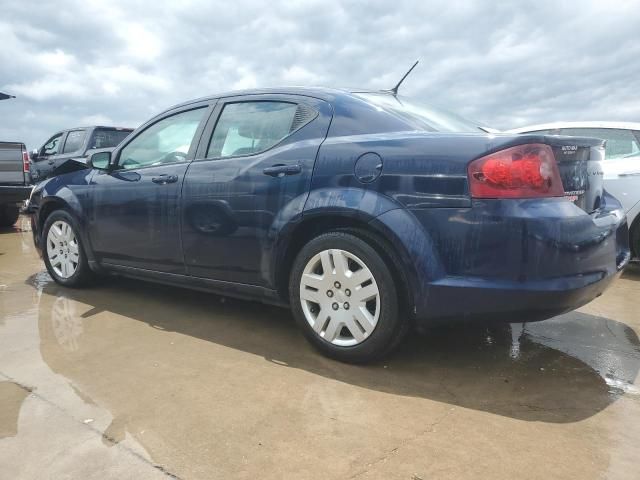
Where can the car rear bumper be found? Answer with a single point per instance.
(512, 260)
(488, 299)
(14, 193)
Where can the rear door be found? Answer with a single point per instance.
(621, 165)
(74, 146)
(252, 174)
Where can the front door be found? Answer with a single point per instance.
(252, 174)
(134, 206)
(46, 159)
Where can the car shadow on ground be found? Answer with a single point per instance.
(561, 370)
(22, 225)
(632, 271)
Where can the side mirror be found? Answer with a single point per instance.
(33, 154)
(99, 160)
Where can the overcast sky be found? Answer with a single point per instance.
(507, 64)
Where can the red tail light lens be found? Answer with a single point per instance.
(525, 171)
(25, 162)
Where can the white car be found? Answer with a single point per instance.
(621, 166)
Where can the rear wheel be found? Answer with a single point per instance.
(344, 298)
(63, 252)
(8, 215)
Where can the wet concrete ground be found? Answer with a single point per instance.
(134, 380)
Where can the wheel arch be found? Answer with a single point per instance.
(52, 203)
(47, 207)
(386, 244)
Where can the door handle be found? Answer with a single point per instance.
(164, 179)
(282, 170)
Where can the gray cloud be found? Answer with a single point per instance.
(506, 64)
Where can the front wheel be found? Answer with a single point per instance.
(63, 252)
(344, 298)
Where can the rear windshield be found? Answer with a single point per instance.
(107, 137)
(420, 116)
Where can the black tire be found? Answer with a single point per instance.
(634, 238)
(391, 325)
(83, 276)
(9, 215)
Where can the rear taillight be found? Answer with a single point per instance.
(25, 162)
(525, 171)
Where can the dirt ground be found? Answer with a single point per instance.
(135, 380)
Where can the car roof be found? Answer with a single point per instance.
(98, 126)
(322, 93)
(592, 124)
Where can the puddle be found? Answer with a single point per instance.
(562, 370)
(12, 396)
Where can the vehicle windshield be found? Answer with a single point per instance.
(420, 116)
(107, 137)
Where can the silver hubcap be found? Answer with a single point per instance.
(340, 298)
(62, 249)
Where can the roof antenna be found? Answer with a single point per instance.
(394, 90)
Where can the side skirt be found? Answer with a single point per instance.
(220, 287)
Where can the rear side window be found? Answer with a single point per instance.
(246, 128)
(620, 143)
(107, 137)
(74, 142)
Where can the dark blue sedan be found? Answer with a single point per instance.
(366, 212)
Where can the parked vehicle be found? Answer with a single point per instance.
(15, 182)
(621, 166)
(366, 212)
(75, 143)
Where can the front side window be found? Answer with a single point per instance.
(620, 143)
(250, 127)
(74, 141)
(52, 146)
(167, 141)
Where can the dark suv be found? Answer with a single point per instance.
(73, 143)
